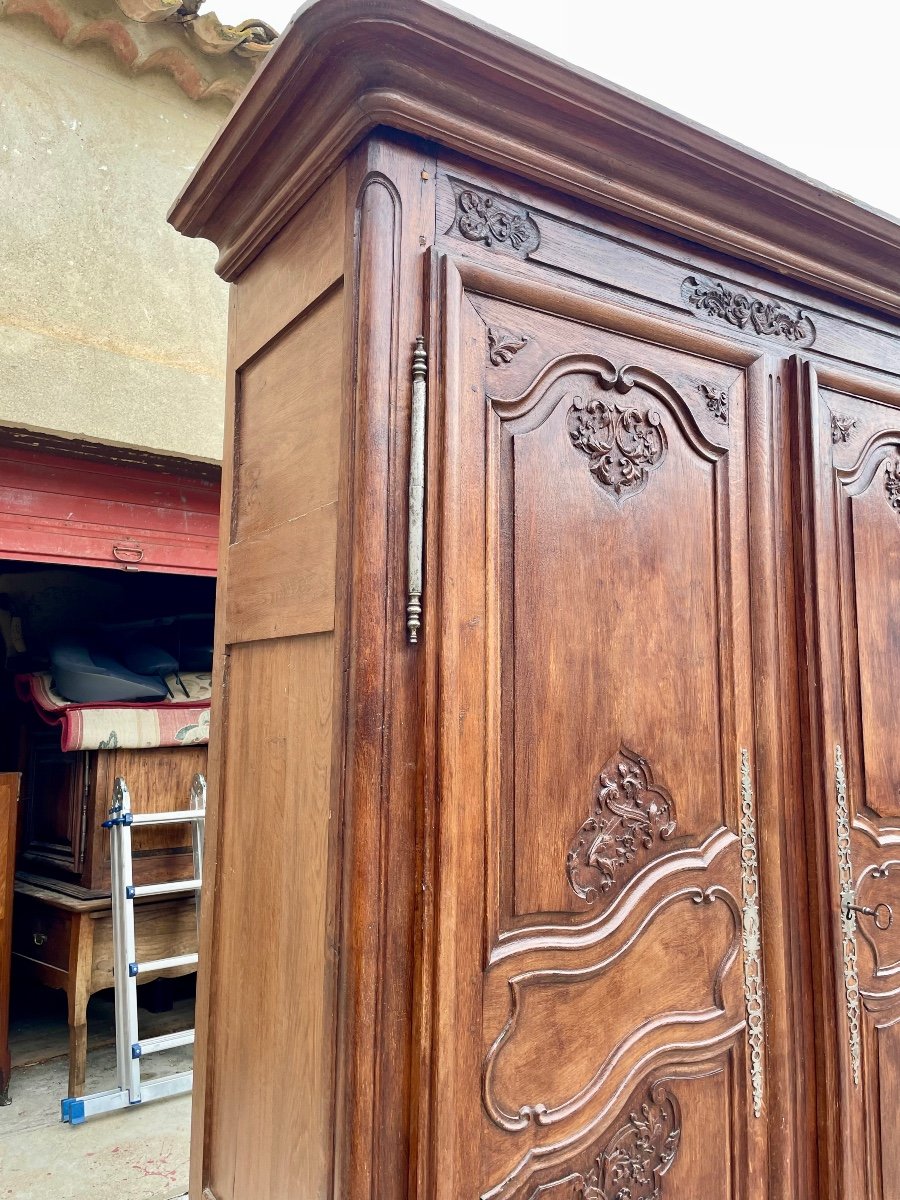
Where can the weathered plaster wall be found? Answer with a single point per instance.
(112, 326)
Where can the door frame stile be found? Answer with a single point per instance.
(774, 765)
(818, 771)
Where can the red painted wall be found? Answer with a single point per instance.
(68, 510)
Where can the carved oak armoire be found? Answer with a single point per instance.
(555, 764)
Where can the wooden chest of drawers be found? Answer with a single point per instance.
(65, 798)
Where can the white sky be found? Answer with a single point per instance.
(814, 85)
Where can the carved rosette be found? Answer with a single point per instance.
(503, 346)
(633, 1161)
(769, 318)
(631, 815)
(623, 445)
(494, 221)
(841, 427)
(716, 401)
(892, 484)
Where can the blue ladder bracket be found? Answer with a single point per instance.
(135, 1049)
(72, 1111)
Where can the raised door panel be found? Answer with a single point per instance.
(853, 524)
(599, 978)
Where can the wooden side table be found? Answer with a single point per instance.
(64, 940)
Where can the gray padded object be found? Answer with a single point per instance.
(87, 676)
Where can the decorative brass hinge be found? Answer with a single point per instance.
(753, 992)
(847, 912)
(416, 492)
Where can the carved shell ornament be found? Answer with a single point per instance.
(634, 1160)
(631, 815)
(622, 443)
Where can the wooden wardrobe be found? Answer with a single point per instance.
(555, 770)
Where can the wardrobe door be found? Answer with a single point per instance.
(600, 916)
(851, 514)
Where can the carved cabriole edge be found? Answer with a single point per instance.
(515, 942)
(537, 401)
(539, 1113)
(859, 477)
(704, 1064)
(644, 1145)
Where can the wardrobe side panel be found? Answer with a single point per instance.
(265, 1098)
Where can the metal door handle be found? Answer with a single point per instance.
(882, 914)
(416, 531)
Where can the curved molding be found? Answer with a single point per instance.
(544, 1115)
(537, 402)
(541, 1156)
(495, 98)
(568, 937)
(858, 478)
(864, 928)
(639, 1152)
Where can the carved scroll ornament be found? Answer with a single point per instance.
(631, 815)
(716, 401)
(634, 1160)
(494, 221)
(769, 318)
(892, 484)
(622, 443)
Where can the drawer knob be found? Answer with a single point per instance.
(39, 938)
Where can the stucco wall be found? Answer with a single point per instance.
(112, 326)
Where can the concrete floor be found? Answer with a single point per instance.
(136, 1154)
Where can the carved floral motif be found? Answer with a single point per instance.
(716, 401)
(633, 1162)
(892, 484)
(631, 814)
(842, 427)
(623, 445)
(766, 317)
(502, 346)
(489, 219)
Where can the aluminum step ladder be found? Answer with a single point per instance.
(127, 969)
